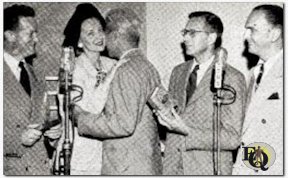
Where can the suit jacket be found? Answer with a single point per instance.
(264, 120)
(192, 154)
(19, 111)
(130, 133)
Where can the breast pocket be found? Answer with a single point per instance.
(274, 107)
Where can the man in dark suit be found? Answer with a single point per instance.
(264, 114)
(130, 134)
(190, 84)
(24, 150)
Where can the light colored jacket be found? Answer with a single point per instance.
(192, 154)
(264, 120)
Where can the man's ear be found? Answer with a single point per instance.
(275, 34)
(212, 38)
(10, 36)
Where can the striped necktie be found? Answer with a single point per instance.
(259, 77)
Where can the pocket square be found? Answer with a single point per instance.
(274, 96)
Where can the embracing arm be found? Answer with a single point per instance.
(122, 120)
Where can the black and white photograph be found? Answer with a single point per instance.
(143, 88)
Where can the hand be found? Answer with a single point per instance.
(115, 67)
(120, 62)
(31, 135)
(54, 132)
(164, 120)
(173, 123)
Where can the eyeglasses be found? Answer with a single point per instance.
(191, 32)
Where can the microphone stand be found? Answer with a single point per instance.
(217, 139)
(218, 100)
(67, 145)
(62, 155)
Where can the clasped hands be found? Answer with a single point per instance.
(33, 133)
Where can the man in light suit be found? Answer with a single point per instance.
(24, 150)
(190, 84)
(129, 132)
(264, 115)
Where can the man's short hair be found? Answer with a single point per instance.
(126, 23)
(13, 13)
(213, 22)
(273, 14)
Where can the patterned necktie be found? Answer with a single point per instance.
(24, 78)
(192, 83)
(259, 77)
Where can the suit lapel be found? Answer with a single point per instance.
(182, 82)
(37, 95)
(269, 84)
(13, 90)
(203, 85)
(250, 90)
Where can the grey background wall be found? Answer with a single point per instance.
(161, 33)
(166, 20)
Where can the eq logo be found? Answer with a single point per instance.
(258, 156)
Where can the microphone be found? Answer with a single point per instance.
(66, 67)
(218, 75)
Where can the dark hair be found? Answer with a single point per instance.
(273, 14)
(213, 22)
(72, 31)
(13, 13)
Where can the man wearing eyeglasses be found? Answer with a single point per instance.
(190, 84)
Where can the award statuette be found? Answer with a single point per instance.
(163, 103)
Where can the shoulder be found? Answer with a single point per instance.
(140, 70)
(235, 77)
(180, 67)
(233, 72)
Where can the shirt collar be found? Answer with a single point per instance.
(127, 52)
(204, 65)
(267, 64)
(11, 60)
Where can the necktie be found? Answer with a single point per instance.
(24, 78)
(259, 77)
(192, 83)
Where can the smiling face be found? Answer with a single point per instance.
(196, 42)
(25, 37)
(92, 35)
(258, 33)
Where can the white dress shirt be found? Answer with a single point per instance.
(267, 66)
(13, 63)
(202, 68)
